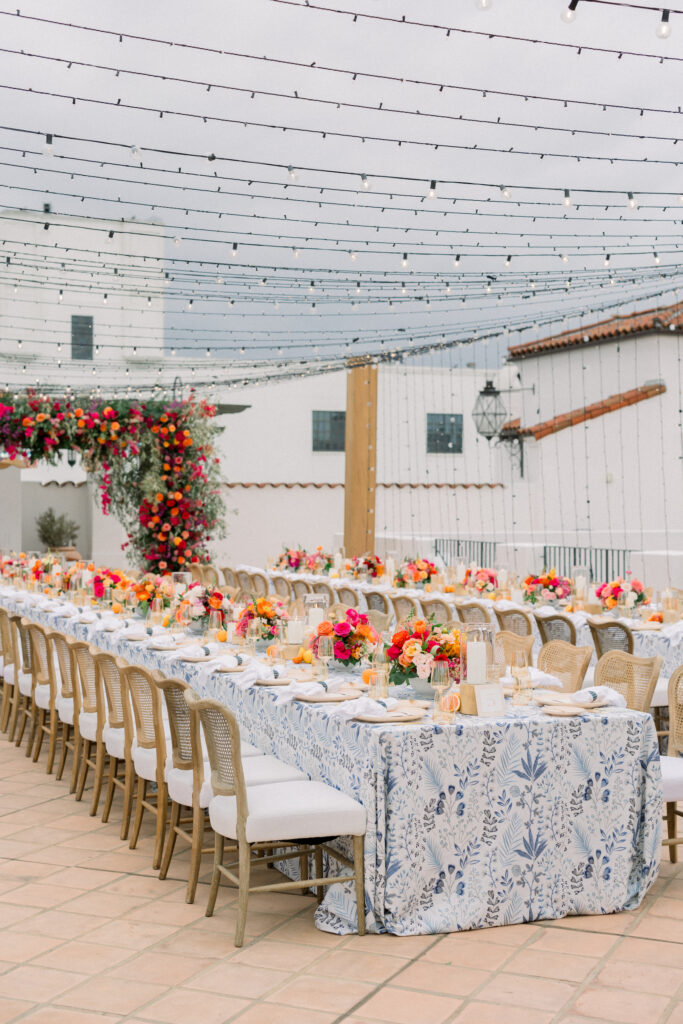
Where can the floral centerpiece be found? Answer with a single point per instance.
(546, 587)
(415, 573)
(200, 600)
(353, 637)
(104, 578)
(370, 564)
(318, 561)
(484, 581)
(611, 593)
(150, 586)
(271, 614)
(291, 559)
(412, 652)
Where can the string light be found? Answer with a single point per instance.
(632, 201)
(365, 182)
(47, 148)
(569, 14)
(431, 194)
(505, 192)
(135, 152)
(567, 201)
(404, 261)
(663, 30)
(104, 299)
(484, 5)
(657, 260)
(233, 251)
(291, 173)
(606, 261)
(456, 261)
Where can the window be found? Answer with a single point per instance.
(81, 337)
(329, 429)
(444, 432)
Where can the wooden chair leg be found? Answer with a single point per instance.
(170, 842)
(671, 831)
(111, 786)
(162, 815)
(318, 861)
(38, 734)
(6, 707)
(359, 872)
(100, 753)
(84, 755)
(216, 876)
(139, 811)
(128, 784)
(53, 734)
(23, 716)
(196, 854)
(77, 759)
(243, 898)
(64, 753)
(16, 703)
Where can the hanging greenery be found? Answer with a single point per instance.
(154, 465)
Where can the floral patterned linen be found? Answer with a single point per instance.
(484, 822)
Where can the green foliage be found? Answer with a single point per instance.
(56, 531)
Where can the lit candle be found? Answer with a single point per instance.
(476, 662)
(295, 631)
(315, 617)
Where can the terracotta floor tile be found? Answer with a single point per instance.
(19, 946)
(281, 956)
(615, 1004)
(230, 979)
(102, 904)
(60, 1015)
(130, 934)
(183, 1006)
(649, 951)
(43, 983)
(507, 935)
(488, 1013)
(333, 995)
(82, 878)
(555, 940)
(520, 990)
(541, 964)
(399, 1006)
(23, 871)
(613, 924)
(658, 979)
(160, 912)
(676, 1015)
(456, 949)
(84, 957)
(663, 906)
(270, 1013)
(36, 895)
(60, 923)
(440, 979)
(160, 968)
(110, 995)
(652, 927)
(10, 1009)
(407, 946)
(140, 886)
(349, 963)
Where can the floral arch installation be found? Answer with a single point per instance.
(154, 465)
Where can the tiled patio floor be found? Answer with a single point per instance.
(89, 935)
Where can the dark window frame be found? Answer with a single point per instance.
(328, 430)
(82, 337)
(444, 433)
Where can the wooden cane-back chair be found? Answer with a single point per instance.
(149, 753)
(512, 643)
(555, 627)
(21, 656)
(211, 577)
(230, 576)
(472, 612)
(281, 586)
(565, 661)
(43, 714)
(117, 735)
(635, 678)
(8, 671)
(378, 601)
(514, 620)
(440, 611)
(672, 764)
(91, 720)
(610, 636)
(406, 607)
(68, 704)
(259, 584)
(326, 590)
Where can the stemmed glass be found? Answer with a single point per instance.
(253, 634)
(325, 653)
(214, 625)
(156, 611)
(440, 680)
(380, 666)
(519, 668)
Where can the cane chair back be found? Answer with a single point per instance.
(111, 671)
(259, 583)
(513, 643)
(337, 612)
(223, 744)
(326, 590)
(145, 698)
(179, 722)
(211, 577)
(514, 621)
(21, 645)
(676, 712)
(471, 612)
(196, 573)
(555, 627)
(6, 639)
(281, 586)
(438, 610)
(634, 678)
(610, 636)
(378, 602)
(405, 608)
(378, 620)
(565, 661)
(347, 596)
(230, 576)
(244, 579)
(41, 655)
(88, 679)
(62, 646)
(300, 588)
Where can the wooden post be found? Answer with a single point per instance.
(361, 459)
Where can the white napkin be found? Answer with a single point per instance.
(537, 677)
(64, 611)
(294, 690)
(593, 694)
(254, 671)
(361, 706)
(87, 617)
(140, 632)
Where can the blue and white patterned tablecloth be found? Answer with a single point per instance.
(480, 823)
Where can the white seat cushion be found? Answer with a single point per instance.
(42, 696)
(660, 698)
(259, 771)
(114, 741)
(65, 709)
(145, 762)
(290, 810)
(87, 724)
(179, 782)
(247, 750)
(8, 675)
(672, 779)
(25, 683)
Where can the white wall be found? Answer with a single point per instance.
(73, 500)
(10, 504)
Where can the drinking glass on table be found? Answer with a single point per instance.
(325, 653)
(156, 611)
(215, 624)
(253, 634)
(278, 657)
(519, 668)
(441, 681)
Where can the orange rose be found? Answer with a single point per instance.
(215, 602)
(325, 628)
(420, 627)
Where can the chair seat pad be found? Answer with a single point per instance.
(87, 724)
(8, 675)
(114, 741)
(660, 698)
(259, 771)
(25, 683)
(290, 810)
(42, 696)
(672, 779)
(247, 750)
(179, 782)
(65, 709)
(145, 762)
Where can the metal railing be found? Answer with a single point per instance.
(452, 550)
(603, 563)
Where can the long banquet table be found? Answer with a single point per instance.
(478, 823)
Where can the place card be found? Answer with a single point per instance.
(485, 700)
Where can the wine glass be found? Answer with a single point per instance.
(519, 668)
(253, 634)
(214, 625)
(325, 653)
(156, 611)
(440, 680)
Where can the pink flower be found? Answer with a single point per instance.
(341, 651)
(342, 629)
(423, 663)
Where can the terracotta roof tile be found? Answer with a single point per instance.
(668, 318)
(588, 412)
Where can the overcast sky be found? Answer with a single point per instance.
(252, 198)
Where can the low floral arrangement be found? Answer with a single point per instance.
(353, 637)
(484, 581)
(546, 587)
(609, 594)
(291, 559)
(371, 564)
(112, 578)
(412, 652)
(318, 561)
(415, 572)
(271, 613)
(150, 586)
(43, 566)
(200, 600)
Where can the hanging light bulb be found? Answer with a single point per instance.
(505, 192)
(567, 201)
(47, 148)
(189, 306)
(219, 280)
(404, 261)
(104, 300)
(233, 252)
(311, 287)
(657, 260)
(663, 30)
(295, 253)
(357, 287)
(508, 261)
(456, 261)
(569, 14)
(365, 182)
(135, 152)
(448, 288)
(632, 201)
(292, 173)
(176, 240)
(565, 258)
(606, 261)
(680, 199)
(61, 295)
(403, 290)
(484, 5)
(431, 194)
(353, 255)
